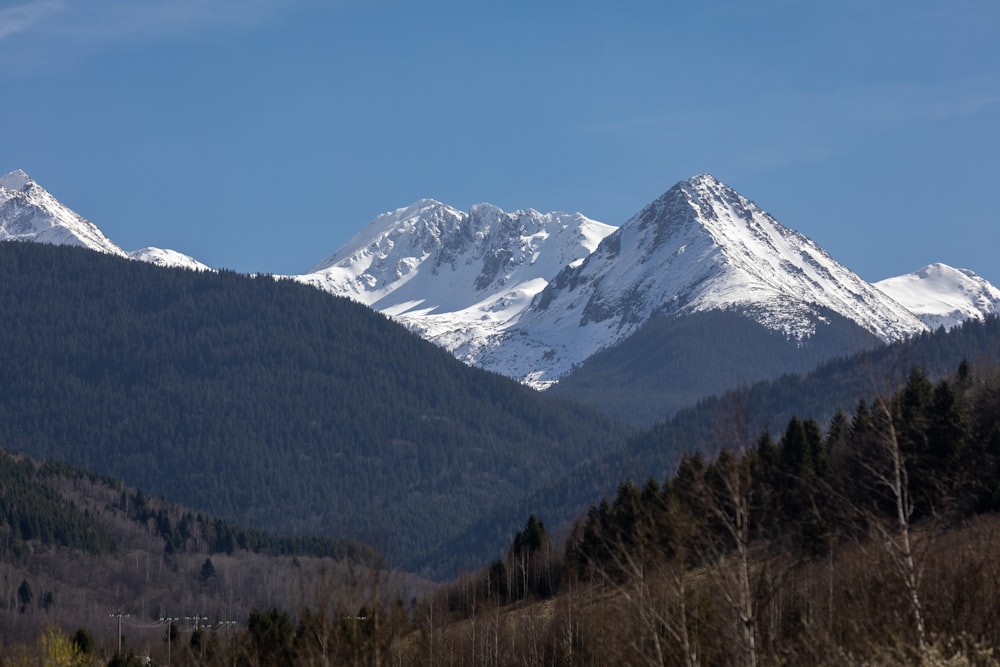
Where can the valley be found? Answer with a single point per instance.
(355, 450)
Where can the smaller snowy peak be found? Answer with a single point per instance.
(943, 296)
(16, 180)
(168, 259)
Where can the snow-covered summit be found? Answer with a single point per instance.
(942, 296)
(456, 277)
(29, 213)
(700, 246)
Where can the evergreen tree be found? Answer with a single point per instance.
(24, 595)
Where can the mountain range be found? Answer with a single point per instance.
(557, 299)
(271, 403)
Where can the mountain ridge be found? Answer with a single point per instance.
(532, 295)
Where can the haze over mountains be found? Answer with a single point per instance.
(536, 296)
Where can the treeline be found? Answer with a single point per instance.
(187, 531)
(812, 489)
(53, 504)
(267, 402)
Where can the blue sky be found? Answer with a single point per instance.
(260, 135)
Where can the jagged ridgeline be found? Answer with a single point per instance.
(267, 402)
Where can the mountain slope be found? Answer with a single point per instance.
(672, 361)
(266, 402)
(942, 296)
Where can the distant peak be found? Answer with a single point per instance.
(16, 180)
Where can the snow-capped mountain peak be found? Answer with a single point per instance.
(29, 213)
(700, 246)
(458, 278)
(943, 296)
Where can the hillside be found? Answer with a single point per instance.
(671, 360)
(77, 547)
(739, 416)
(267, 402)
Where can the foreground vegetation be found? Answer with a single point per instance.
(869, 542)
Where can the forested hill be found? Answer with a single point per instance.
(267, 402)
(738, 417)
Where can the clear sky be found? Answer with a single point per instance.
(260, 135)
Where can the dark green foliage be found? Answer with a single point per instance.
(266, 402)
(24, 595)
(84, 641)
(532, 538)
(31, 511)
(809, 490)
(207, 570)
(836, 386)
(127, 659)
(272, 638)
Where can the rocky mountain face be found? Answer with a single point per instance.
(460, 279)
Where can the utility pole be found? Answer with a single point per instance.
(119, 615)
(198, 621)
(170, 627)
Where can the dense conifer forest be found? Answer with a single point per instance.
(266, 402)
